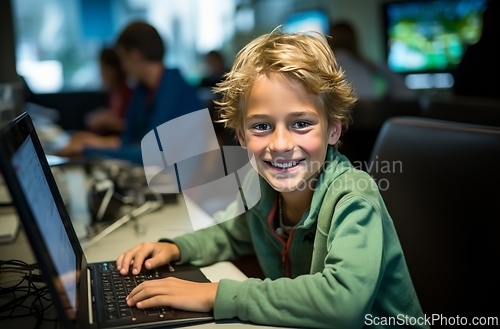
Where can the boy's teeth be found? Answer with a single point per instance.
(284, 165)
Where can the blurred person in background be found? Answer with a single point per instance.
(216, 69)
(111, 120)
(161, 94)
(478, 73)
(371, 81)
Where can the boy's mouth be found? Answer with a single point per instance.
(284, 165)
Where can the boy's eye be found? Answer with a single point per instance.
(301, 125)
(261, 126)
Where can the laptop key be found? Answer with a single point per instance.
(112, 316)
(116, 288)
(111, 309)
(125, 312)
(125, 315)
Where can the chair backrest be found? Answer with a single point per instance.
(465, 109)
(367, 120)
(368, 114)
(441, 184)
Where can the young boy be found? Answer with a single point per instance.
(320, 231)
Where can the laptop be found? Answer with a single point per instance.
(85, 295)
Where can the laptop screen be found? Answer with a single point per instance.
(30, 175)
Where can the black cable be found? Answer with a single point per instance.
(18, 263)
(27, 287)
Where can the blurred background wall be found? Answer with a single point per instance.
(57, 41)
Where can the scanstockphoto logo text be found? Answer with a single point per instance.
(429, 320)
(361, 183)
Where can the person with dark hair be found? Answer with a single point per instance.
(216, 69)
(104, 125)
(161, 93)
(478, 73)
(111, 120)
(371, 81)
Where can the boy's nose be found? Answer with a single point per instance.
(281, 140)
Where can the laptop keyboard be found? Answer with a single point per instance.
(116, 287)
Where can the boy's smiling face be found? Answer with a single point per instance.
(286, 132)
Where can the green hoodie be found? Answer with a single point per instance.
(342, 266)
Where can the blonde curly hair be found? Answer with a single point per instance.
(305, 58)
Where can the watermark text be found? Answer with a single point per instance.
(432, 320)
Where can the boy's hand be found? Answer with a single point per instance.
(175, 293)
(152, 254)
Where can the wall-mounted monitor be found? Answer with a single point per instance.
(307, 21)
(430, 36)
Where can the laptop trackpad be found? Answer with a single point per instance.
(184, 272)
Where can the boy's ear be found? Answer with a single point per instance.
(334, 133)
(241, 139)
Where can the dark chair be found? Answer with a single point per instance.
(441, 184)
(373, 114)
(465, 109)
(367, 120)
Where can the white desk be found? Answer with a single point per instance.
(169, 222)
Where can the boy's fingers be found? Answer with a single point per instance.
(155, 261)
(160, 300)
(138, 255)
(139, 258)
(119, 262)
(125, 263)
(150, 264)
(127, 259)
(147, 290)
